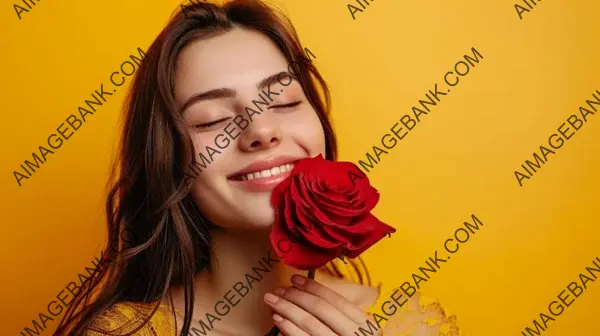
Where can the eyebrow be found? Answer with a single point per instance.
(221, 93)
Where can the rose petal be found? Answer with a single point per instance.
(334, 204)
(279, 191)
(296, 220)
(308, 202)
(308, 165)
(306, 195)
(358, 227)
(380, 230)
(342, 238)
(300, 256)
(313, 232)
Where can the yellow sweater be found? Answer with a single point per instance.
(421, 316)
(125, 317)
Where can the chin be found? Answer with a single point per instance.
(255, 210)
(263, 220)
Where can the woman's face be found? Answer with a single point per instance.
(216, 79)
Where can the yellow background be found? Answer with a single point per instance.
(458, 161)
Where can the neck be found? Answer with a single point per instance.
(244, 267)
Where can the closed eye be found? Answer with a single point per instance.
(212, 123)
(284, 106)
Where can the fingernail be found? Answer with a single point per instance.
(279, 291)
(277, 318)
(298, 280)
(270, 298)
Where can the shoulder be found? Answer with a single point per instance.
(125, 317)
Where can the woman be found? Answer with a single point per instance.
(197, 218)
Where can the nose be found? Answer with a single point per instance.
(262, 133)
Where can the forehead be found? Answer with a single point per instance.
(235, 59)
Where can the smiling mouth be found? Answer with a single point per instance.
(266, 173)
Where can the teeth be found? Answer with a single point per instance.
(268, 172)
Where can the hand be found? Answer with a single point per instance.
(310, 309)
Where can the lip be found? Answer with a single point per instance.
(263, 183)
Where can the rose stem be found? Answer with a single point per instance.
(274, 331)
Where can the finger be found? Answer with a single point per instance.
(372, 328)
(319, 308)
(298, 316)
(334, 298)
(287, 327)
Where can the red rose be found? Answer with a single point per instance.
(324, 208)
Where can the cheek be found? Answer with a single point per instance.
(306, 129)
(207, 186)
(200, 140)
(217, 144)
(209, 196)
(202, 189)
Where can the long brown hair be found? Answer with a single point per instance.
(148, 195)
